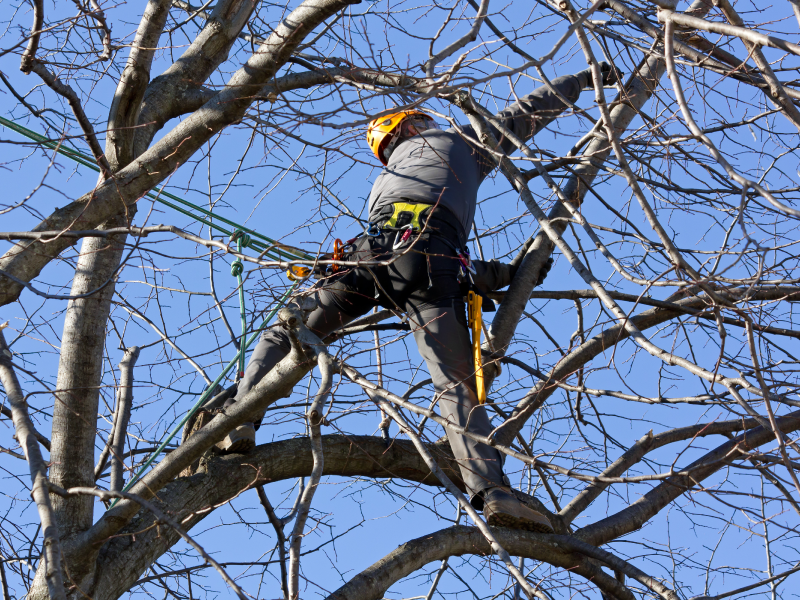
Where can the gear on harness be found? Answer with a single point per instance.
(338, 254)
(466, 270)
(297, 272)
(475, 321)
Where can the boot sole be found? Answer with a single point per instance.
(238, 442)
(240, 446)
(506, 520)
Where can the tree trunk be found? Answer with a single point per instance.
(80, 373)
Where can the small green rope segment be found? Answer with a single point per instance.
(243, 236)
(237, 270)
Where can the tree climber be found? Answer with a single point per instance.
(421, 210)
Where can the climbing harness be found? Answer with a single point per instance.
(475, 319)
(405, 213)
(242, 236)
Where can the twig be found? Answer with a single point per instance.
(6, 412)
(278, 527)
(29, 55)
(64, 90)
(315, 419)
(748, 36)
(121, 416)
(669, 20)
(3, 581)
(38, 472)
(100, 17)
(470, 36)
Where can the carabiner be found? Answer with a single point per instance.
(373, 230)
(338, 253)
(400, 239)
(466, 263)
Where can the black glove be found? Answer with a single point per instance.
(544, 271)
(611, 75)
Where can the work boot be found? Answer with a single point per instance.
(239, 441)
(502, 509)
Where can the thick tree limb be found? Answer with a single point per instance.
(123, 115)
(166, 96)
(123, 559)
(79, 375)
(373, 582)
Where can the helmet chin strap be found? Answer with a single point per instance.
(396, 139)
(404, 132)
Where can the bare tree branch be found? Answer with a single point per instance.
(38, 472)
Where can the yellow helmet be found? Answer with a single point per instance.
(380, 130)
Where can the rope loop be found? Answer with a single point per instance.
(237, 268)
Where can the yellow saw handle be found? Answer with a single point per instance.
(475, 318)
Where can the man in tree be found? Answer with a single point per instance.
(420, 211)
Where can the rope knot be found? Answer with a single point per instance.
(237, 268)
(242, 237)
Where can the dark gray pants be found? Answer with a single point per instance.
(424, 283)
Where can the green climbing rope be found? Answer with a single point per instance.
(237, 269)
(244, 238)
(262, 244)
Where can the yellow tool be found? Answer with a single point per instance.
(297, 272)
(474, 304)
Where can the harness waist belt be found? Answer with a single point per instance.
(407, 214)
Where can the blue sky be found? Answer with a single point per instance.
(273, 193)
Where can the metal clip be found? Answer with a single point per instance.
(400, 239)
(466, 264)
